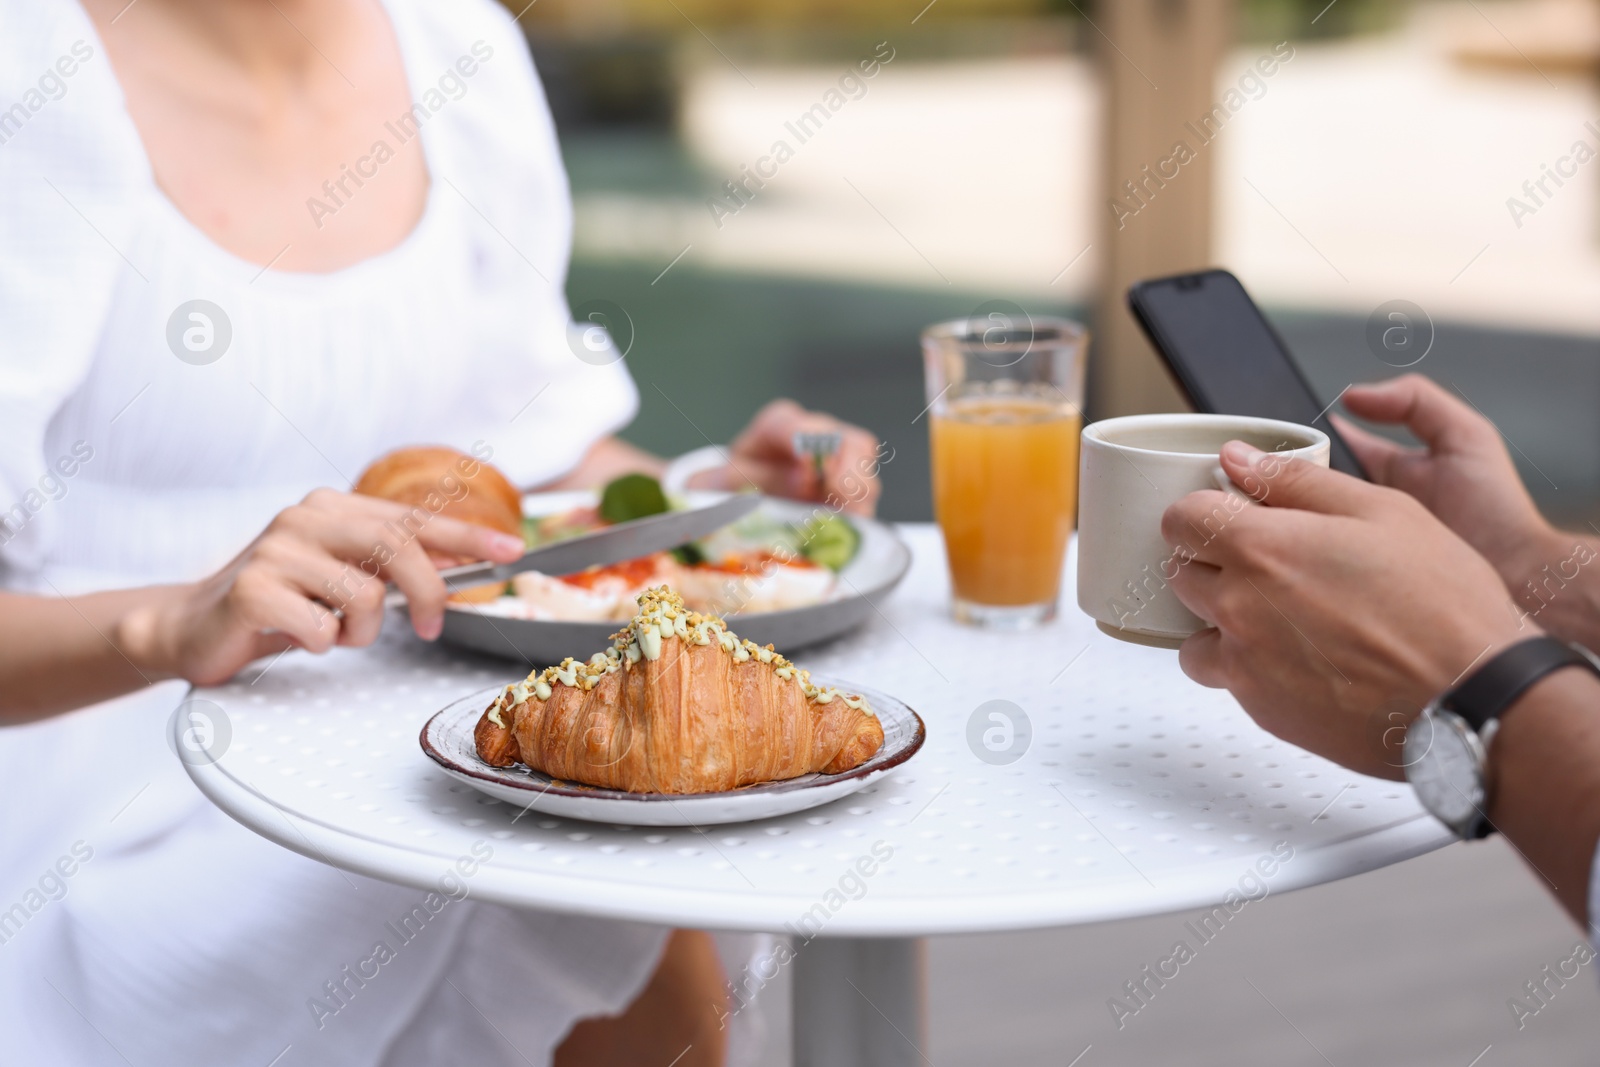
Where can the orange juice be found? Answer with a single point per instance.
(1005, 490)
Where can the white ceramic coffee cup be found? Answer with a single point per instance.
(1131, 470)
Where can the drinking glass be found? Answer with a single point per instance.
(1005, 396)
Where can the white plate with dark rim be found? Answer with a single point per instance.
(879, 565)
(447, 738)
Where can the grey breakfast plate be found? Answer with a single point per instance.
(878, 567)
(447, 738)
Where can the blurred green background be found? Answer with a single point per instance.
(712, 341)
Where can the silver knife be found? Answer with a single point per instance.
(614, 544)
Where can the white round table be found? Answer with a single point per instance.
(1129, 791)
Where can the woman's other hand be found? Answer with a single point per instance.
(765, 455)
(315, 578)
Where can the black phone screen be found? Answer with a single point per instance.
(1226, 356)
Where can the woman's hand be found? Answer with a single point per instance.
(764, 455)
(1464, 476)
(1340, 608)
(314, 579)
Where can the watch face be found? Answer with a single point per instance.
(1442, 765)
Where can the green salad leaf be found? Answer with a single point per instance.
(829, 541)
(632, 496)
(689, 554)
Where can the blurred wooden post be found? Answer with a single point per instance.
(1159, 61)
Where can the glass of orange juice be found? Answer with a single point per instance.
(1005, 396)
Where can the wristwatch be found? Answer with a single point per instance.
(1446, 748)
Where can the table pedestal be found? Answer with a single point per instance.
(858, 1002)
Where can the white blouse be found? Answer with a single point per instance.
(456, 336)
(135, 447)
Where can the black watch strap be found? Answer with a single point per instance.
(1496, 685)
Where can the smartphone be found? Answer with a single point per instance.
(1225, 355)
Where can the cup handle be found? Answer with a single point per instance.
(1220, 479)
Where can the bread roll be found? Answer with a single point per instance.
(447, 482)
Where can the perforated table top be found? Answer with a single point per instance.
(1129, 790)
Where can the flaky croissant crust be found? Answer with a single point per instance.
(677, 705)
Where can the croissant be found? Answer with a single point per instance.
(677, 704)
(447, 482)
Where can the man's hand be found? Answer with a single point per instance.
(1339, 608)
(1464, 476)
(764, 456)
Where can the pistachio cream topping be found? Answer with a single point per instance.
(662, 617)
